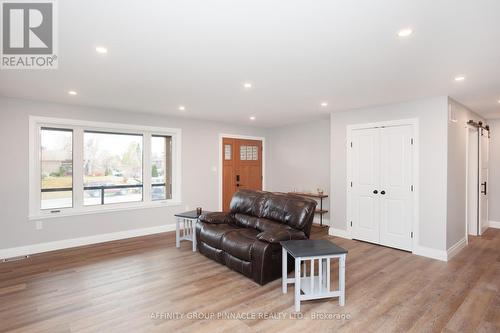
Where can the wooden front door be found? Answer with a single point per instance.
(241, 167)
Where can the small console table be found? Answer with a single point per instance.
(313, 286)
(188, 231)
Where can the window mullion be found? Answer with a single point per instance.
(77, 168)
(146, 167)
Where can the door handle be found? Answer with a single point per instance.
(375, 191)
(485, 188)
(382, 192)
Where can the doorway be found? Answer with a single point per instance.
(241, 161)
(381, 177)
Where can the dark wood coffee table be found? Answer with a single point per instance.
(313, 286)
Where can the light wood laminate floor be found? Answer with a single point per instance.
(119, 286)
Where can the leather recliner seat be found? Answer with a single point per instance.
(246, 239)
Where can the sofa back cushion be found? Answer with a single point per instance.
(294, 211)
(247, 202)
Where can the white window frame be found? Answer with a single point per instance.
(78, 127)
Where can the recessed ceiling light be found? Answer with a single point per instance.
(72, 93)
(460, 78)
(182, 108)
(247, 85)
(324, 104)
(101, 50)
(499, 101)
(405, 32)
(252, 118)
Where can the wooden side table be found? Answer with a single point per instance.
(313, 286)
(188, 230)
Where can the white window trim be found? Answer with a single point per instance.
(78, 127)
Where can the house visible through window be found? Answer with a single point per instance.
(77, 167)
(56, 168)
(112, 164)
(161, 167)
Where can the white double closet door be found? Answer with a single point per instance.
(382, 185)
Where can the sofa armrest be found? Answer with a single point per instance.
(281, 235)
(215, 218)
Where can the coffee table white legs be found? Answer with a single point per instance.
(187, 232)
(297, 284)
(177, 232)
(341, 279)
(193, 234)
(313, 286)
(284, 270)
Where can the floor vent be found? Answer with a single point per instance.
(15, 258)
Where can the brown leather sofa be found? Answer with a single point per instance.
(247, 238)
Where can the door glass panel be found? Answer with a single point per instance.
(227, 152)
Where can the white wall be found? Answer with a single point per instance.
(299, 158)
(199, 172)
(494, 171)
(456, 179)
(432, 116)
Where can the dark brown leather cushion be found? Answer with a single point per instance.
(264, 224)
(292, 210)
(212, 233)
(246, 221)
(215, 218)
(239, 243)
(282, 235)
(247, 202)
(297, 212)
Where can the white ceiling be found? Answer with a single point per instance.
(297, 54)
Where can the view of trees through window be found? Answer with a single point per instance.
(56, 164)
(112, 167)
(161, 167)
(112, 170)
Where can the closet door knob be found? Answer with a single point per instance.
(375, 191)
(382, 192)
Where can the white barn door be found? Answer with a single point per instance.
(483, 175)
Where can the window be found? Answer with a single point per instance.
(77, 167)
(112, 165)
(56, 168)
(161, 167)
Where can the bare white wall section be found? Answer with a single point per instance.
(199, 173)
(299, 158)
(494, 185)
(458, 115)
(432, 116)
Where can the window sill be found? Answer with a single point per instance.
(102, 209)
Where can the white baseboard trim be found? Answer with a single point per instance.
(494, 224)
(339, 233)
(81, 241)
(455, 248)
(430, 253)
(419, 250)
